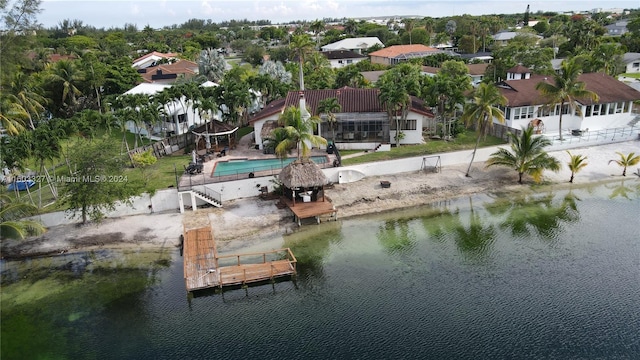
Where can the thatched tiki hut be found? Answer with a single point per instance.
(303, 180)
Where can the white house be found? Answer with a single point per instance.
(632, 62)
(342, 58)
(362, 122)
(179, 116)
(152, 59)
(526, 106)
(353, 44)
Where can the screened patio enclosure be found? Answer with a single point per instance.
(357, 128)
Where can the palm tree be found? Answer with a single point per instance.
(625, 161)
(11, 211)
(576, 163)
(566, 89)
(396, 87)
(278, 141)
(22, 90)
(13, 116)
(350, 27)
(408, 27)
(330, 106)
(66, 74)
(299, 132)
(481, 112)
(301, 45)
(527, 155)
(317, 27)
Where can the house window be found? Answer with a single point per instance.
(182, 118)
(544, 111)
(627, 106)
(636, 65)
(612, 108)
(349, 61)
(619, 107)
(587, 111)
(596, 109)
(409, 124)
(525, 112)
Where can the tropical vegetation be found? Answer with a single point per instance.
(527, 155)
(626, 160)
(576, 163)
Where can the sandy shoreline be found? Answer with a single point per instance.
(252, 219)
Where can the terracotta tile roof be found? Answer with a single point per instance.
(523, 92)
(180, 67)
(397, 50)
(352, 100)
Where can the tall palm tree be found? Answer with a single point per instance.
(482, 111)
(330, 106)
(527, 155)
(317, 27)
(566, 89)
(11, 213)
(13, 116)
(396, 87)
(299, 132)
(625, 161)
(576, 163)
(301, 45)
(408, 27)
(66, 74)
(24, 92)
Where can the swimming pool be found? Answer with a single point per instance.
(234, 167)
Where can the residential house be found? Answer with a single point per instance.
(169, 73)
(503, 38)
(357, 45)
(476, 72)
(525, 104)
(362, 122)
(152, 59)
(178, 116)
(618, 28)
(632, 62)
(342, 58)
(398, 53)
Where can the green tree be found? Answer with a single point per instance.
(576, 163)
(18, 21)
(211, 64)
(625, 161)
(482, 111)
(317, 27)
(65, 78)
(98, 182)
(330, 106)
(566, 89)
(24, 92)
(527, 155)
(299, 132)
(12, 224)
(396, 87)
(301, 45)
(13, 117)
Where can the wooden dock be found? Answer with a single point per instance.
(204, 269)
(304, 210)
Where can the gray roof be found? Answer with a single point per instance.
(353, 43)
(630, 57)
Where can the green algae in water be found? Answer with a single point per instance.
(47, 301)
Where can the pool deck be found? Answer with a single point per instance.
(241, 152)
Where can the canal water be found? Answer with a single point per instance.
(547, 275)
